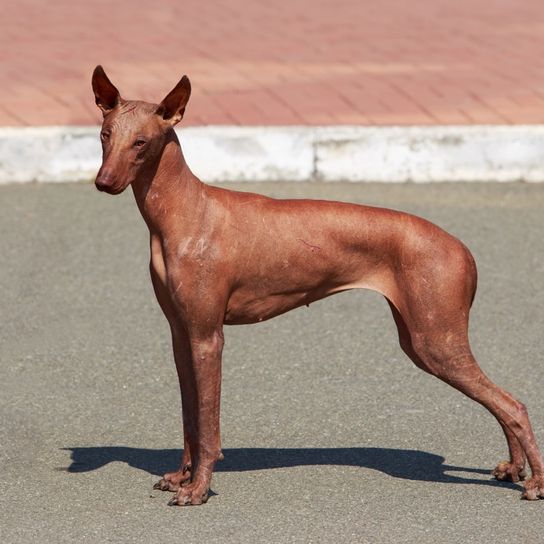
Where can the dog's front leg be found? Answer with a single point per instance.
(172, 481)
(200, 380)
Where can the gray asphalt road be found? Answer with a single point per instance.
(330, 433)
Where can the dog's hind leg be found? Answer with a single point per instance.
(512, 470)
(445, 353)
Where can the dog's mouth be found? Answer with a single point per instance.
(110, 189)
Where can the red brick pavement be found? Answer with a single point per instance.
(314, 62)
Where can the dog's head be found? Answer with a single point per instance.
(133, 133)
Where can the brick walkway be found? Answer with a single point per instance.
(294, 62)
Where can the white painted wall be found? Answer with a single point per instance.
(389, 154)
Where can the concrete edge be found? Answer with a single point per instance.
(346, 153)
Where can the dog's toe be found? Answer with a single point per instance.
(162, 485)
(172, 481)
(173, 501)
(509, 472)
(189, 495)
(534, 489)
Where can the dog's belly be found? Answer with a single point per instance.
(245, 308)
(253, 304)
(276, 289)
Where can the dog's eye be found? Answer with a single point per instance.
(104, 136)
(139, 142)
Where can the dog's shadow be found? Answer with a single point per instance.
(404, 464)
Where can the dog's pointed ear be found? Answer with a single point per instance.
(105, 93)
(172, 108)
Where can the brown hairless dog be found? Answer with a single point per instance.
(225, 257)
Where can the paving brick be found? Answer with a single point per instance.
(274, 63)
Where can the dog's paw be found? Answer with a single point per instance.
(509, 472)
(534, 489)
(190, 495)
(172, 481)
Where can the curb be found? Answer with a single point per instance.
(346, 153)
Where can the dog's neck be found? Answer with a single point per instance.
(168, 192)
